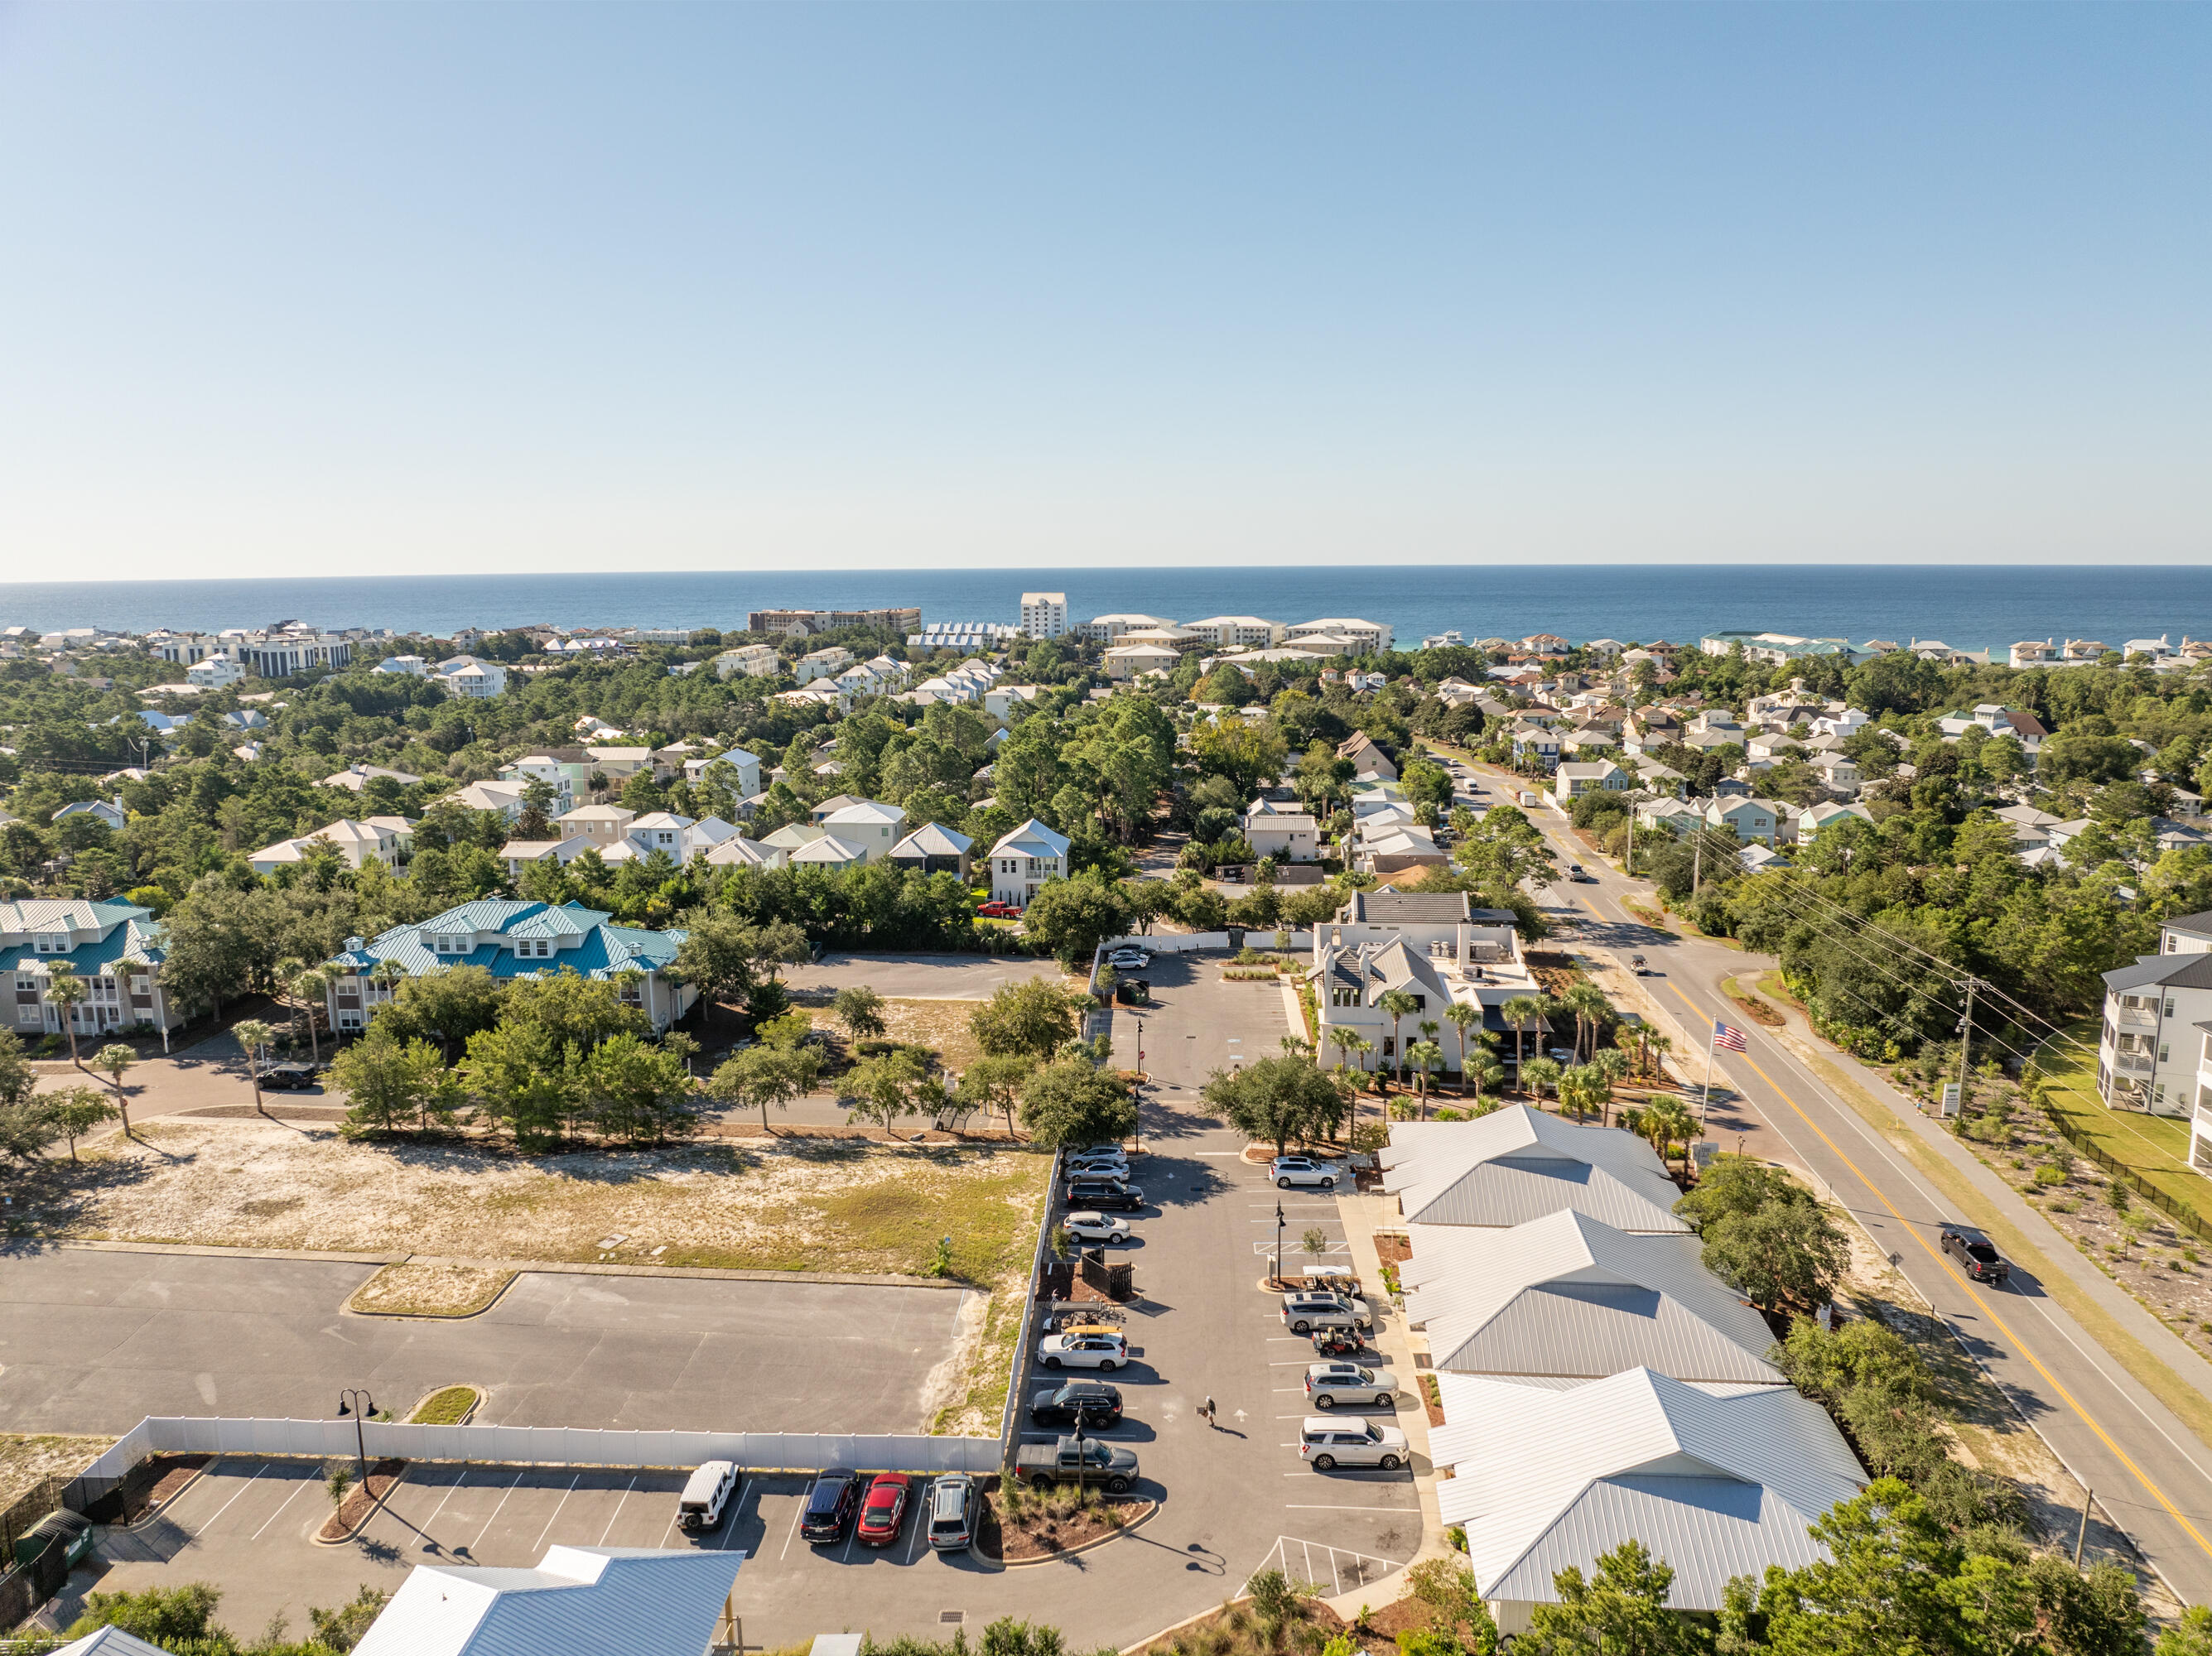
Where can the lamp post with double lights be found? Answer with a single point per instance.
(358, 1404)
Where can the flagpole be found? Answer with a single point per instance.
(1705, 1096)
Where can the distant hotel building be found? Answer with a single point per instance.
(1044, 615)
(806, 623)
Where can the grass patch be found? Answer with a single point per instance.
(449, 1406)
(430, 1291)
(2154, 1146)
(1754, 1008)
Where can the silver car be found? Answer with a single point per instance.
(1329, 1384)
(1304, 1313)
(1325, 1444)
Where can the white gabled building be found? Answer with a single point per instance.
(1519, 1163)
(1024, 860)
(579, 1601)
(1719, 1482)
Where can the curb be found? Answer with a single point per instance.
(346, 1307)
(408, 1419)
(1187, 1621)
(374, 1508)
(1134, 1524)
(153, 1513)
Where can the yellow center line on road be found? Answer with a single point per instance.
(1945, 1265)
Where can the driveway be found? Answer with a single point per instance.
(922, 977)
(91, 1341)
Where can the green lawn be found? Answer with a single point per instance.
(2156, 1147)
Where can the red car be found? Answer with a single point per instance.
(995, 910)
(885, 1509)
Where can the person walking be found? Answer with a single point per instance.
(1210, 1420)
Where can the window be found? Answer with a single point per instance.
(53, 943)
(2165, 1053)
(2169, 1006)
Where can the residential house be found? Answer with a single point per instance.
(518, 854)
(603, 825)
(828, 850)
(402, 667)
(1368, 761)
(354, 776)
(1567, 1297)
(747, 766)
(505, 797)
(792, 836)
(1391, 847)
(872, 825)
(470, 679)
(513, 939)
(116, 949)
(1518, 1163)
(1285, 835)
(215, 673)
(751, 660)
(2151, 1050)
(1840, 772)
(1601, 776)
(1752, 820)
(1652, 777)
(1044, 615)
(1811, 819)
(932, 848)
(1775, 647)
(1721, 1482)
(378, 840)
(108, 811)
(738, 852)
(1549, 646)
(1998, 720)
(1023, 859)
(1368, 637)
(1675, 816)
(668, 832)
(1532, 741)
(1000, 700)
(1473, 954)
(822, 664)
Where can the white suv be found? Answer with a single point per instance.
(1289, 1170)
(1304, 1313)
(1329, 1384)
(1325, 1444)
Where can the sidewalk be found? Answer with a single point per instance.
(1363, 1217)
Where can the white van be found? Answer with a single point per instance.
(708, 1490)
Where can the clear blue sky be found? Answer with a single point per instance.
(378, 288)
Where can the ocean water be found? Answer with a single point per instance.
(1967, 606)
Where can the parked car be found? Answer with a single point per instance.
(885, 1509)
(1087, 1403)
(1304, 1313)
(1128, 960)
(1324, 1444)
(1089, 1350)
(995, 910)
(952, 1511)
(1105, 1194)
(1331, 1383)
(707, 1492)
(1975, 1257)
(829, 1505)
(1096, 1228)
(1099, 1164)
(1084, 1459)
(289, 1077)
(1304, 1170)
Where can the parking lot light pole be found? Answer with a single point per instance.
(358, 1404)
(1279, 1242)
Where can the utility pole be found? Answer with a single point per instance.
(1965, 1040)
(2081, 1535)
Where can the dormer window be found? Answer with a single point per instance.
(455, 945)
(53, 943)
(533, 949)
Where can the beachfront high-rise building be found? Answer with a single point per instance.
(1044, 615)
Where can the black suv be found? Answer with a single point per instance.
(1088, 1403)
(1975, 1257)
(829, 1505)
(288, 1077)
(1104, 1194)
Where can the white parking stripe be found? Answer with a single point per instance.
(616, 1513)
(558, 1505)
(483, 1532)
(1307, 1507)
(797, 1514)
(232, 1501)
(288, 1500)
(448, 1495)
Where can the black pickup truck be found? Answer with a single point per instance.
(1109, 1464)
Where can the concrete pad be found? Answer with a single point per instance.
(922, 977)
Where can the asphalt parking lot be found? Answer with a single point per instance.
(91, 1341)
(922, 977)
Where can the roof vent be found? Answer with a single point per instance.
(353, 945)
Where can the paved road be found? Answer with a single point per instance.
(2152, 1474)
(92, 1340)
(922, 977)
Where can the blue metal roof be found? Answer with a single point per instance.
(599, 949)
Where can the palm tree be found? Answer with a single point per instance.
(1591, 1007)
(254, 1035)
(1344, 1042)
(1485, 1074)
(66, 989)
(1428, 1057)
(115, 1058)
(1359, 1046)
(308, 986)
(1398, 1003)
(1609, 1067)
(1459, 1014)
(1521, 1011)
(1538, 1073)
(1656, 1049)
(1666, 1122)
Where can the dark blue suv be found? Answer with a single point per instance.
(829, 1505)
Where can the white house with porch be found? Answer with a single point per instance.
(115, 949)
(1023, 859)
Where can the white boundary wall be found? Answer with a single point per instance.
(1184, 942)
(556, 1445)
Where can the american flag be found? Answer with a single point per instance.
(1727, 1040)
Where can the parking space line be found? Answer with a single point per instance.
(232, 1501)
(795, 1517)
(914, 1542)
(423, 1529)
(483, 1532)
(279, 1513)
(558, 1505)
(730, 1519)
(1307, 1507)
(616, 1513)
(671, 1530)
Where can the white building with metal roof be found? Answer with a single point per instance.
(580, 1601)
(1567, 1299)
(1518, 1164)
(1716, 1485)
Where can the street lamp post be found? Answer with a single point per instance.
(358, 1404)
(1279, 1242)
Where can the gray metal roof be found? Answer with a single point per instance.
(2196, 925)
(1389, 906)
(1519, 1164)
(2165, 971)
(1566, 1295)
(1717, 1482)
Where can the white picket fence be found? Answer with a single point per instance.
(545, 1445)
(1185, 943)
